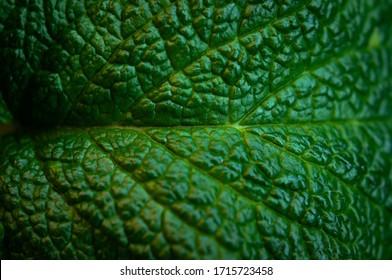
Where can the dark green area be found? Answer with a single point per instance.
(5, 114)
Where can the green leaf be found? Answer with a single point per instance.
(257, 192)
(189, 130)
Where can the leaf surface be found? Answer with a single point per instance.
(189, 130)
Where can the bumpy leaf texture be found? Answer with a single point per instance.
(196, 129)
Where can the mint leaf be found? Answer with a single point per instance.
(256, 192)
(185, 63)
(190, 130)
